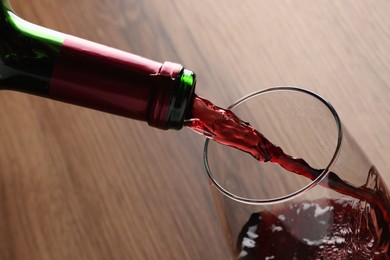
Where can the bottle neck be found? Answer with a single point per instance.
(44, 62)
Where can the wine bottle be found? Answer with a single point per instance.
(54, 65)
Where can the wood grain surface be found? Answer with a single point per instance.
(82, 184)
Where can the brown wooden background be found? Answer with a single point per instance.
(81, 184)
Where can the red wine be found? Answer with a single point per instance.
(323, 229)
(226, 128)
(301, 231)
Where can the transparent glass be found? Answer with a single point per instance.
(268, 212)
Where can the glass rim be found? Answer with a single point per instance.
(304, 188)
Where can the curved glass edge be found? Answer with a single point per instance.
(34, 30)
(303, 189)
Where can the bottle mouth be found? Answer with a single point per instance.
(181, 100)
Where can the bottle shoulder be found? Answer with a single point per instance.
(27, 52)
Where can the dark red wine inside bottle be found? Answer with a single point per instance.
(331, 229)
(50, 64)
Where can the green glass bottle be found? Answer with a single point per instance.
(54, 65)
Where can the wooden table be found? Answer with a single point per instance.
(82, 184)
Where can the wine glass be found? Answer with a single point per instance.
(328, 203)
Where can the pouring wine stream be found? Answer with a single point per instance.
(224, 127)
